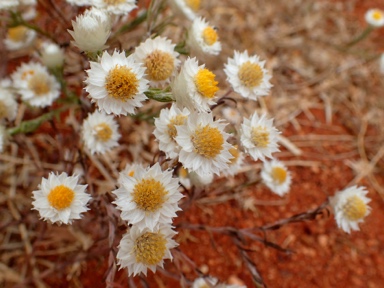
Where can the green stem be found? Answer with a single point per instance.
(361, 37)
(160, 95)
(31, 125)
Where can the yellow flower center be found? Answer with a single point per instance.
(178, 120)
(114, 2)
(193, 4)
(279, 174)
(61, 197)
(260, 136)
(205, 83)
(160, 65)
(183, 173)
(25, 74)
(18, 33)
(3, 110)
(209, 36)
(377, 15)
(150, 248)
(250, 74)
(39, 84)
(235, 153)
(207, 141)
(103, 132)
(355, 208)
(149, 195)
(121, 83)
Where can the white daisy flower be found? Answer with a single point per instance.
(375, 17)
(247, 75)
(117, 7)
(350, 207)
(148, 197)
(232, 115)
(203, 38)
(187, 8)
(8, 105)
(100, 132)
(19, 37)
(195, 87)
(60, 199)
(159, 58)
(129, 170)
(204, 146)
(165, 131)
(276, 176)
(235, 163)
(91, 30)
(35, 84)
(80, 2)
(205, 282)
(9, 4)
(52, 55)
(2, 137)
(259, 137)
(189, 179)
(117, 83)
(140, 250)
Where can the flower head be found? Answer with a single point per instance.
(247, 75)
(80, 2)
(189, 179)
(35, 84)
(276, 176)
(165, 131)
(19, 37)
(259, 137)
(100, 132)
(91, 30)
(195, 87)
(140, 250)
(117, 83)
(52, 55)
(232, 115)
(187, 8)
(350, 207)
(8, 104)
(203, 38)
(129, 170)
(203, 143)
(159, 58)
(148, 197)
(9, 4)
(117, 7)
(236, 161)
(60, 199)
(375, 17)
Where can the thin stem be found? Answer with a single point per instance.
(31, 125)
(361, 37)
